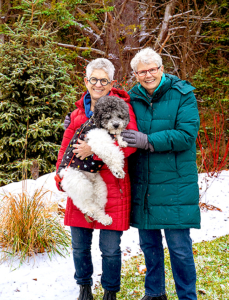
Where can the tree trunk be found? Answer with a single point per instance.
(122, 36)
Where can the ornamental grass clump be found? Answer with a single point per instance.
(28, 225)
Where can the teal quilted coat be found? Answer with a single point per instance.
(165, 193)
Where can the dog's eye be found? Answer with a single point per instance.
(120, 116)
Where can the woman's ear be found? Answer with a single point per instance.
(136, 75)
(112, 84)
(85, 81)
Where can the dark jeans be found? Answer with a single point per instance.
(181, 257)
(109, 244)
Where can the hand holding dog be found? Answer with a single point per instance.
(83, 150)
(136, 139)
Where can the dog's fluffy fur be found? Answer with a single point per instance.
(87, 190)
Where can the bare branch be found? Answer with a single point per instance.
(173, 56)
(150, 34)
(196, 7)
(165, 24)
(111, 19)
(92, 25)
(81, 48)
(175, 28)
(131, 49)
(82, 58)
(104, 26)
(122, 8)
(89, 32)
(163, 45)
(179, 15)
(143, 22)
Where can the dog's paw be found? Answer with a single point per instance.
(123, 144)
(106, 220)
(118, 173)
(89, 213)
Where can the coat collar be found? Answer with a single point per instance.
(114, 92)
(170, 82)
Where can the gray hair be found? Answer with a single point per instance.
(146, 56)
(101, 64)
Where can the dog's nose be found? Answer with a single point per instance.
(115, 125)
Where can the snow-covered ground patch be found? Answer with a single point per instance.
(53, 280)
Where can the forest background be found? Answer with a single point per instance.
(45, 46)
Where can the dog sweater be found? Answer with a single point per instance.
(88, 164)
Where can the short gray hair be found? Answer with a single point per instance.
(146, 56)
(101, 64)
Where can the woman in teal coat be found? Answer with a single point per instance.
(163, 172)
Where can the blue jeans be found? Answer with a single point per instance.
(109, 244)
(181, 257)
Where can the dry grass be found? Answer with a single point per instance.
(29, 226)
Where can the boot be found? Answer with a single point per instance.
(109, 295)
(163, 297)
(85, 292)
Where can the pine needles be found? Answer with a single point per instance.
(28, 226)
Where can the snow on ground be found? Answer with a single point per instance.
(53, 280)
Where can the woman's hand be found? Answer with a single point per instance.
(67, 121)
(82, 149)
(136, 139)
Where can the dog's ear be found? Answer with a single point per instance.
(125, 110)
(98, 111)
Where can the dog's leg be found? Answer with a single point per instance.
(79, 189)
(100, 198)
(102, 145)
(100, 191)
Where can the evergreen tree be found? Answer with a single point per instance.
(35, 96)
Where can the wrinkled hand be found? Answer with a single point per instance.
(67, 121)
(136, 139)
(82, 149)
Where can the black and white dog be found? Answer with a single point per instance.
(80, 178)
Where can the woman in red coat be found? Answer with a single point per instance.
(99, 82)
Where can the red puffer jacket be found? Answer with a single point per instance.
(118, 205)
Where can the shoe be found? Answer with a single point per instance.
(109, 295)
(85, 292)
(163, 297)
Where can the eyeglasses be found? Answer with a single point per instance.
(151, 71)
(102, 81)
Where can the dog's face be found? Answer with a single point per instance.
(112, 114)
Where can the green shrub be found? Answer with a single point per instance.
(36, 94)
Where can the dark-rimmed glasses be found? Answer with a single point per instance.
(151, 71)
(102, 81)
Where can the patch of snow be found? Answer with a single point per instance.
(53, 280)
